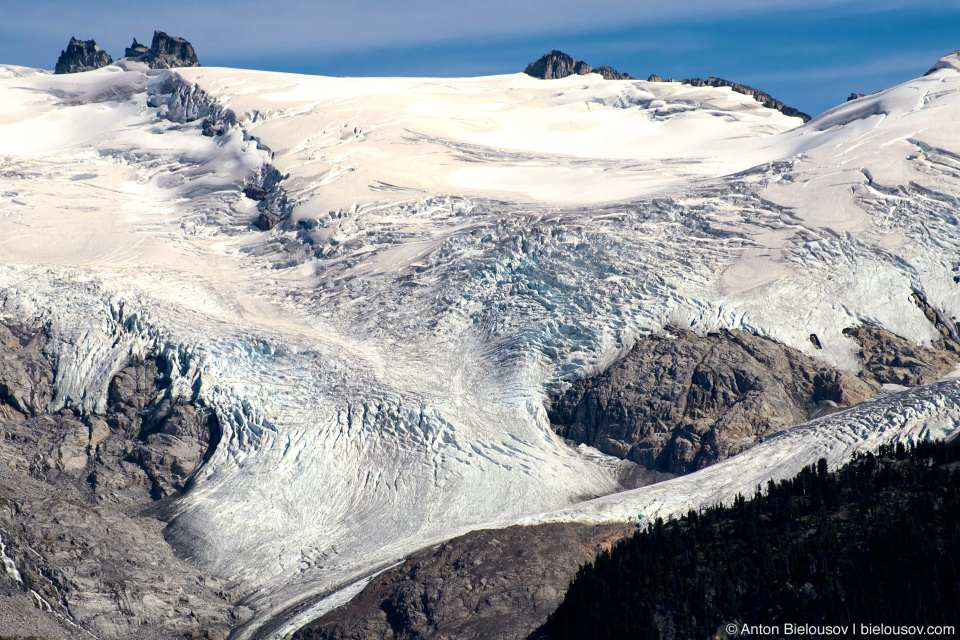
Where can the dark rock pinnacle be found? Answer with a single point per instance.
(82, 55)
(165, 52)
(557, 64)
(135, 50)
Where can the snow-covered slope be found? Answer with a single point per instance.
(457, 250)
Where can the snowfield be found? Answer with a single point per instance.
(457, 250)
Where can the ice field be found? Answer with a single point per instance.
(454, 252)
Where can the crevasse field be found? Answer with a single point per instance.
(457, 251)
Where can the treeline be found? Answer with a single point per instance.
(874, 543)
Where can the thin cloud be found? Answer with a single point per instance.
(915, 62)
(246, 27)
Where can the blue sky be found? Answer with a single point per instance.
(810, 58)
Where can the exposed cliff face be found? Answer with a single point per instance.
(487, 584)
(165, 52)
(611, 74)
(557, 64)
(79, 553)
(889, 359)
(678, 402)
(135, 50)
(82, 55)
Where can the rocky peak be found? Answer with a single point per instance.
(165, 52)
(135, 50)
(611, 74)
(82, 55)
(168, 51)
(557, 64)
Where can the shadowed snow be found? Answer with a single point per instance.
(458, 250)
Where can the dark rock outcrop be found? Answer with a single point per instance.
(181, 101)
(762, 97)
(890, 359)
(26, 376)
(165, 52)
(82, 55)
(266, 220)
(74, 491)
(678, 403)
(172, 436)
(500, 583)
(557, 64)
(135, 50)
(611, 74)
(854, 96)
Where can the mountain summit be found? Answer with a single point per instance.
(557, 64)
(82, 55)
(165, 52)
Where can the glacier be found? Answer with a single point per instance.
(456, 251)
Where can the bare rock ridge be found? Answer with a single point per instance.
(135, 50)
(679, 402)
(557, 64)
(165, 52)
(82, 55)
(83, 548)
(760, 96)
(486, 584)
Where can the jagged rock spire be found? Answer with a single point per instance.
(82, 55)
(557, 64)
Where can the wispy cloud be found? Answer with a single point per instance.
(241, 27)
(913, 64)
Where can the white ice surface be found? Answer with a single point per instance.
(475, 245)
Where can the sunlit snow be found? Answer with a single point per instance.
(458, 250)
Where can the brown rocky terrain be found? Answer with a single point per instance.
(83, 546)
(486, 584)
(679, 402)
